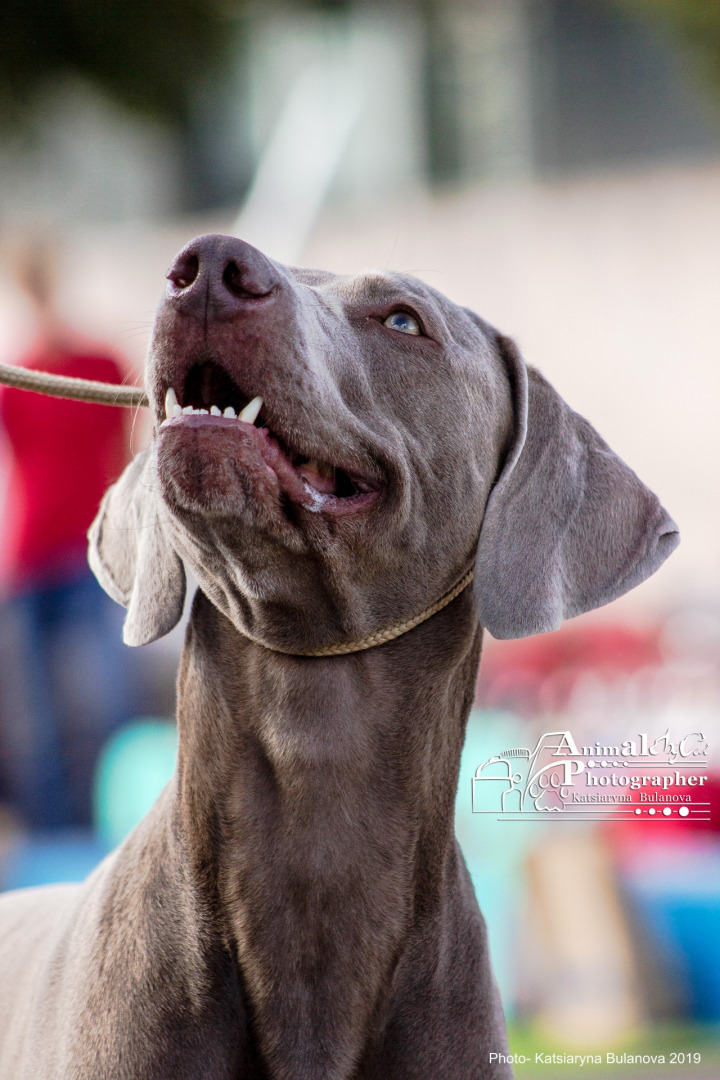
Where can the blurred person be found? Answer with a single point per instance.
(65, 678)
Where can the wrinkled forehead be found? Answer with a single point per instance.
(374, 290)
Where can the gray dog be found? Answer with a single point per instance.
(331, 458)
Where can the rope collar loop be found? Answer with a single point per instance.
(380, 637)
(66, 386)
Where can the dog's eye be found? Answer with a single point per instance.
(404, 322)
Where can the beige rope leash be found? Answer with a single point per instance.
(381, 637)
(42, 382)
(108, 394)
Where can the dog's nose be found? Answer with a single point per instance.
(221, 272)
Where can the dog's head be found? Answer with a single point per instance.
(331, 453)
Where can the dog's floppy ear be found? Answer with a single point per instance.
(132, 557)
(568, 526)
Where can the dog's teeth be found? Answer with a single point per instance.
(202, 412)
(250, 412)
(188, 410)
(214, 411)
(230, 413)
(321, 469)
(176, 410)
(170, 402)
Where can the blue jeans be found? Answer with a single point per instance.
(66, 683)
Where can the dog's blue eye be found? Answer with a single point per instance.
(402, 321)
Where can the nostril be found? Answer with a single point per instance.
(184, 271)
(244, 284)
(232, 279)
(223, 272)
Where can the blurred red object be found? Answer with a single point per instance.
(64, 454)
(540, 672)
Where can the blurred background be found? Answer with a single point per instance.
(555, 165)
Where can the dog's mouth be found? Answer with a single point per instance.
(208, 397)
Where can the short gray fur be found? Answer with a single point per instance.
(295, 906)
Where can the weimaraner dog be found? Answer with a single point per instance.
(331, 457)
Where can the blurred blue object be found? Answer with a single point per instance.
(677, 894)
(134, 767)
(695, 925)
(45, 858)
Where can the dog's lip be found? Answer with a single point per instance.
(308, 472)
(291, 479)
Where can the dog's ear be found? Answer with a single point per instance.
(568, 526)
(132, 557)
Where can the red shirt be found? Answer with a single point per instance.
(64, 455)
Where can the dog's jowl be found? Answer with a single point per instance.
(332, 458)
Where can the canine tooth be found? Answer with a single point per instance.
(214, 411)
(251, 410)
(188, 410)
(230, 413)
(170, 402)
(176, 410)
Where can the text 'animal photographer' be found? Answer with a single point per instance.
(520, 784)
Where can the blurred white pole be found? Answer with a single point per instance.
(300, 160)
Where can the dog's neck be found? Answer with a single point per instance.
(316, 798)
